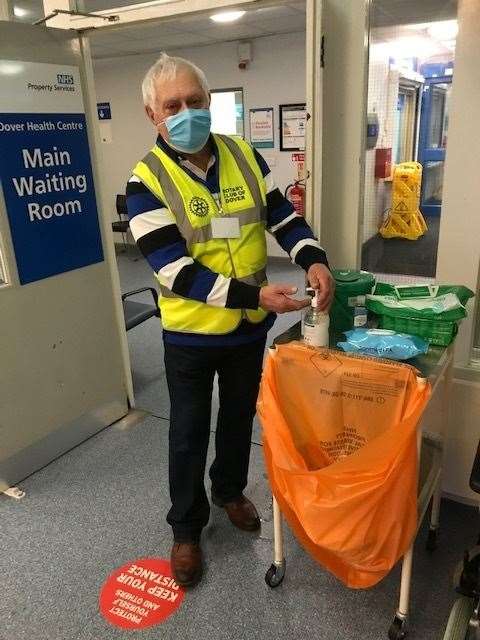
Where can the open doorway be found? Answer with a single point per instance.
(411, 68)
(121, 57)
(244, 91)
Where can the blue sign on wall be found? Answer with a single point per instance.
(47, 183)
(104, 111)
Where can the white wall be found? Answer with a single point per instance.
(344, 109)
(382, 99)
(276, 76)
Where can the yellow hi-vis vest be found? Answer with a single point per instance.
(242, 195)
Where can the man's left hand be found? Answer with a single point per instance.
(320, 278)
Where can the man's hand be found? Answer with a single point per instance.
(274, 297)
(322, 281)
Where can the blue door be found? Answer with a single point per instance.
(433, 141)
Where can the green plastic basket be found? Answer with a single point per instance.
(435, 331)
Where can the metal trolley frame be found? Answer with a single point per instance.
(437, 367)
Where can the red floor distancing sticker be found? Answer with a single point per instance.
(140, 594)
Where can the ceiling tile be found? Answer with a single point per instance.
(300, 7)
(168, 41)
(199, 30)
(133, 47)
(186, 39)
(391, 12)
(108, 39)
(283, 25)
(106, 52)
(199, 22)
(233, 32)
(151, 30)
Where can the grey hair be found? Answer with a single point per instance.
(167, 67)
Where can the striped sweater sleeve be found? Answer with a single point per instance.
(155, 231)
(290, 229)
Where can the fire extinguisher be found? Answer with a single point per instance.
(296, 194)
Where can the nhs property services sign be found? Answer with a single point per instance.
(45, 170)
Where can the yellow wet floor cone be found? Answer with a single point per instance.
(405, 219)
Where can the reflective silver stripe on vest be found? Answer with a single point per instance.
(175, 201)
(172, 194)
(247, 172)
(257, 279)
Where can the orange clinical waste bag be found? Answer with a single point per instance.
(341, 452)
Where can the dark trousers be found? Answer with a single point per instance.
(190, 374)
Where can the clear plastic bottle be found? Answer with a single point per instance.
(315, 326)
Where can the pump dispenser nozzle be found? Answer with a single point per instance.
(315, 322)
(313, 294)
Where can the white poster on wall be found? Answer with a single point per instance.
(261, 128)
(293, 118)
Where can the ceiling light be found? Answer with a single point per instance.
(445, 30)
(10, 68)
(19, 12)
(227, 16)
(412, 46)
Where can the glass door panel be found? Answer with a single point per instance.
(433, 141)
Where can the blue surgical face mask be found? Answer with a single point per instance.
(188, 130)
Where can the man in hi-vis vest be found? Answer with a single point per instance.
(199, 204)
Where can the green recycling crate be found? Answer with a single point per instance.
(351, 289)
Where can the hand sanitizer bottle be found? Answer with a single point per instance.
(315, 326)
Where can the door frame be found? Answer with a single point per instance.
(413, 88)
(426, 154)
(171, 10)
(50, 341)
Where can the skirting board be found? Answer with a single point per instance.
(37, 455)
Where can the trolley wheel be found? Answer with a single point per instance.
(459, 618)
(276, 573)
(431, 543)
(398, 629)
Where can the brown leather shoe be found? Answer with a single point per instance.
(242, 513)
(186, 563)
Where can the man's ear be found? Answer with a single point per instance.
(150, 114)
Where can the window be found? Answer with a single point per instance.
(405, 124)
(438, 129)
(227, 111)
(409, 88)
(432, 182)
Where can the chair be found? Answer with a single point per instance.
(137, 312)
(121, 225)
